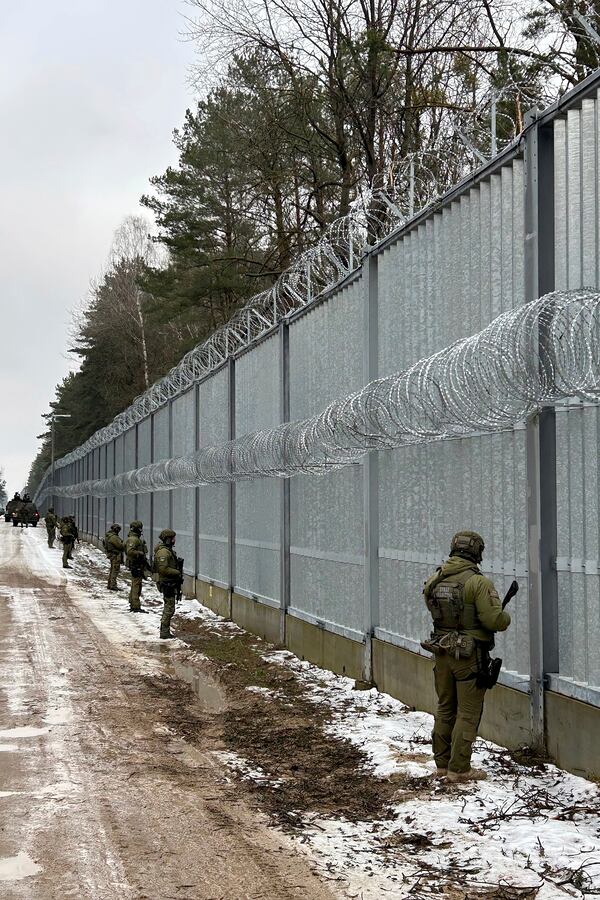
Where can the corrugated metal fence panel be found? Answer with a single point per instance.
(184, 499)
(576, 195)
(444, 280)
(102, 500)
(96, 500)
(110, 470)
(118, 463)
(257, 502)
(453, 274)
(129, 463)
(427, 493)
(144, 501)
(161, 515)
(327, 550)
(213, 419)
(89, 527)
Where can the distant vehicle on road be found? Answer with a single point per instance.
(11, 506)
(24, 512)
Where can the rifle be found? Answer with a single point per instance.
(489, 669)
(511, 592)
(179, 586)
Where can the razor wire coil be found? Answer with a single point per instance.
(543, 352)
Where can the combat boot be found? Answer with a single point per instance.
(439, 773)
(165, 634)
(470, 775)
(138, 609)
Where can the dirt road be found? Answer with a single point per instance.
(99, 799)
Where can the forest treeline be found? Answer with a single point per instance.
(302, 104)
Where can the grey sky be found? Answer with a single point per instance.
(90, 91)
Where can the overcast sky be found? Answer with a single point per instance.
(90, 91)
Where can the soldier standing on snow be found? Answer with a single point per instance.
(136, 551)
(114, 548)
(67, 538)
(51, 523)
(167, 568)
(466, 612)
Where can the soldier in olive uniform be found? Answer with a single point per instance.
(136, 551)
(466, 612)
(51, 523)
(166, 566)
(67, 539)
(74, 532)
(114, 548)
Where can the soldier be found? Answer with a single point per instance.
(466, 612)
(114, 547)
(166, 565)
(67, 538)
(51, 523)
(75, 533)
(136, 551)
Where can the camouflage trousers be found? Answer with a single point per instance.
(135, 593)
(459, 711)
(115, 567)
(169, 592)
(51, 536)
(67, 553)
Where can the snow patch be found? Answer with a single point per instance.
(15, 868)
(22, 732)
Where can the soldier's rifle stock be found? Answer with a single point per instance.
(511, 592)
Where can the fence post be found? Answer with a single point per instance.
(371, 467)
(196, 528)
(105, 501)
(136, 511)
(152, 492)
(170, 525)
(231, 499)
(541, 429)
(284, 533)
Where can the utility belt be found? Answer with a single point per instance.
(463, 646)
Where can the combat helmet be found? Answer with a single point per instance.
(167, 535)
(115, 527)
(136, 526)
(468, 544)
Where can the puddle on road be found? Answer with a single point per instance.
(206, 689)
(24, 731)
(14, 868)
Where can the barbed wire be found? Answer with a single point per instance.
(417, 183)
(535, 355)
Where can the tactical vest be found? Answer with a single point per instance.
(446, 603)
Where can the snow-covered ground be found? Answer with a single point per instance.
(532, 831)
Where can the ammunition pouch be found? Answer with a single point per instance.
(460, 646)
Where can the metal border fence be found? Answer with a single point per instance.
(348, 550)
